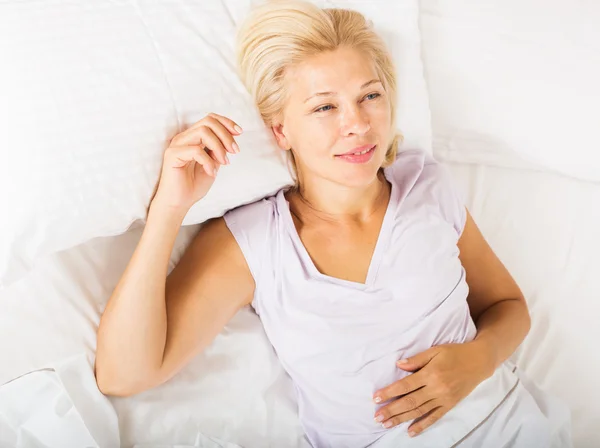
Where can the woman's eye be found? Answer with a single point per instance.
(372, 96)
(324, 108)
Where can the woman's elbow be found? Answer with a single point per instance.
(115, 385)
(526, 317)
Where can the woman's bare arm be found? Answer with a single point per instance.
(151, 327)
(497, 305)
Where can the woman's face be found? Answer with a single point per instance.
(337, 119)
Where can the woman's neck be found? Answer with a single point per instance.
(326, 200)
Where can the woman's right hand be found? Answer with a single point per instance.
(192, 160)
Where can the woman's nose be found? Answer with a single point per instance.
(355, 121)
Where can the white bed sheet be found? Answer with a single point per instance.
(235, 391)
(543, 226)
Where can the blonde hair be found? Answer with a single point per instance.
(281, 33)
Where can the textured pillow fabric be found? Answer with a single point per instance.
(92, 92)
(514, 83)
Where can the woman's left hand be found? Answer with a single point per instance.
(443, 376)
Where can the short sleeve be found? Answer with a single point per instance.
(450, 196)
(252, 227)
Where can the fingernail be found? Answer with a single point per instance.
(238, 129)
(377, 399)
(226, 159)
(412, 433)
(387, 424)
(402, 361)
(379, 418)
(235, 147)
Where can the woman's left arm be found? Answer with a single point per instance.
(445, 374)
(497, 305)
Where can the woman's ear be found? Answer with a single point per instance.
(280, 137)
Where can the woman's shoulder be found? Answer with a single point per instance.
(418, 166)
(407, 171)
(256, 212)
(421, 178)
(413, 161)
(254, 228)
(256, 221)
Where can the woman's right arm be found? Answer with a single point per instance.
(153, 325)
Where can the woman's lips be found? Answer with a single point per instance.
(360, 156)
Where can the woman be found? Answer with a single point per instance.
(378, 292)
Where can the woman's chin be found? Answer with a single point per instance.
(360, 177)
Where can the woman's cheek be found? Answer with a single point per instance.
(382, 116)
(327, 125)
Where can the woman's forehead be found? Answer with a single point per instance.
(331, 72)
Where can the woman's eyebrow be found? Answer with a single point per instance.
(319, 94)
(366, 84)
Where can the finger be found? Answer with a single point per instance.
(210, 168)
(190, 136)
(399, 388)
(199, 169)
(418, 361)
(203, 136)
(407, 403)
(214, 144)
(231, 125)
(419, 426)
(182, 155)
(418, 412)
(224, 135)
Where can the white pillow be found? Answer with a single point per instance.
(515, 83)
(93, 92)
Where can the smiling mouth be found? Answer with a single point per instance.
(360, 153)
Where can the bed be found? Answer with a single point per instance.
(532, 183)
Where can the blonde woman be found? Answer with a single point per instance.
(384, 303)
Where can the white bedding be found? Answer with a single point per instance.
(514, 82)
(100, 87)
(235, 391)
(543, 226)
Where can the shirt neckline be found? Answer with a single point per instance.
(380, 245)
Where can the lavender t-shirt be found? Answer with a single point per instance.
(339, 340)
